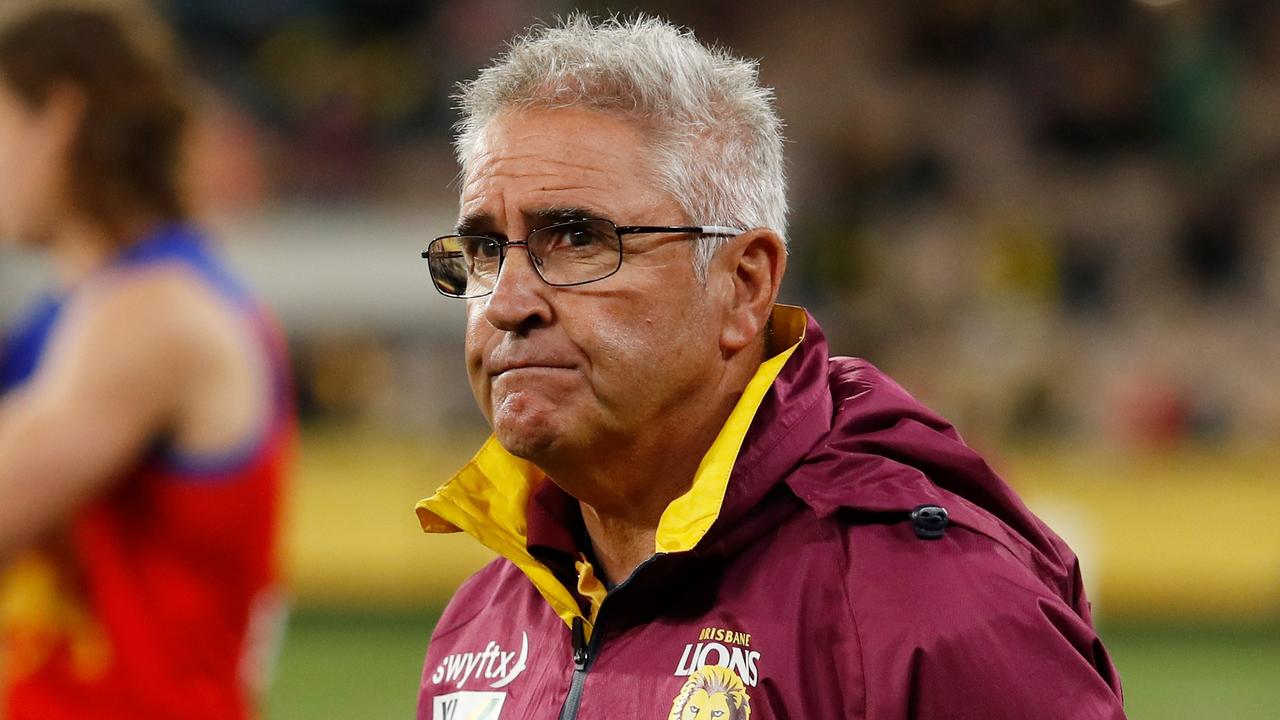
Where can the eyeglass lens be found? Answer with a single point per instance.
(570, 253)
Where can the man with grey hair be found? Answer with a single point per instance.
(680, 477)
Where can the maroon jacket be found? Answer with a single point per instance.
(864, 563)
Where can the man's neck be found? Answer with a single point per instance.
(619, 545)
(623, 530)
(624, 490)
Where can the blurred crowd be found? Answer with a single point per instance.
(1052, 219)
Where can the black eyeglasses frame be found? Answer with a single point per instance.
(697, 231)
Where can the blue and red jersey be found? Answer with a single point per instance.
(147, 603)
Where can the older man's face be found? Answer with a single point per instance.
(576, 369)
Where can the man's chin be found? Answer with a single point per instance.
(529, 424)
(524, 442)
(527, 432)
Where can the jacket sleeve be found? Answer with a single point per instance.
(958, 629)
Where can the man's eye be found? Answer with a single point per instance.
(717, 713)
(695, 709)
(581, 238)
(481, 248)
(578, 238)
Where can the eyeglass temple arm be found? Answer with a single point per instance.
(720, 230)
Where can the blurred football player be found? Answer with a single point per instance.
(145, 414)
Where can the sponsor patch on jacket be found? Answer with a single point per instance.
(467, 705)
(720, 667)
(722, 647)
(493, 665)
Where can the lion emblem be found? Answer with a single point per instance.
(712, 693)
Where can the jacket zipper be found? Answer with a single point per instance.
(584, 653)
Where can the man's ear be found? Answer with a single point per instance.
(751, 267)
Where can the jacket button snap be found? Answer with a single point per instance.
(929, 521)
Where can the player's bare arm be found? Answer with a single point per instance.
(143, 356)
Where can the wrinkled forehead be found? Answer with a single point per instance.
(572, 132)
(539, 161)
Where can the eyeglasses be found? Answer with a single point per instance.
(576, 252)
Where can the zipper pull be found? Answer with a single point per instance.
(579, 644)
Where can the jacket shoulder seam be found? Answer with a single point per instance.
(1014, 544)
(1021, 550)
(1034, 581)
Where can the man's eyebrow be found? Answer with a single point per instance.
(482, 223)
(476, 224)
(557, 214)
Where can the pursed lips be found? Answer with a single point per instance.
(507, 367)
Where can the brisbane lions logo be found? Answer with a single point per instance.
(712, 693)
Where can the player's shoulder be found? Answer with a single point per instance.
(156, 290)
(162, 308)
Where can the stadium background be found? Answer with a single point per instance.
(1056, 221)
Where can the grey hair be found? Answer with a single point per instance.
(715, 138)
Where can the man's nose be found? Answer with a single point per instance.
(519, 300)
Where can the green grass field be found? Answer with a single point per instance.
(366, 667)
